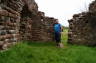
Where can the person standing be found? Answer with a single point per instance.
(57, 33)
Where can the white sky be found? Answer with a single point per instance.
(63, 9)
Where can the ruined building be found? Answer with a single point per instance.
(21, 20)
(82, 27)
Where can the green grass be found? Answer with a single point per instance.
(48, 53)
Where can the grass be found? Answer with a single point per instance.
(48, 53)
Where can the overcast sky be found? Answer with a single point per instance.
(63, 9)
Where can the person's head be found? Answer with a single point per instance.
(56, 21)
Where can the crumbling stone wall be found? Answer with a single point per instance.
(37, 28)
(21, 20)
(35, 25)
(9, 25)
(82, 27)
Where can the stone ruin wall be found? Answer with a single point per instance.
(21, 20)
(9, 26)
(82, 27)
(37, 28)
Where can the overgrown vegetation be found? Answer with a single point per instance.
(48, 53)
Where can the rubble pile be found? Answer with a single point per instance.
(82, 27)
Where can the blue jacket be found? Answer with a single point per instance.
(57, 28)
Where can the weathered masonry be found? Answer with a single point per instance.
(82, 28)
(21, 20)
